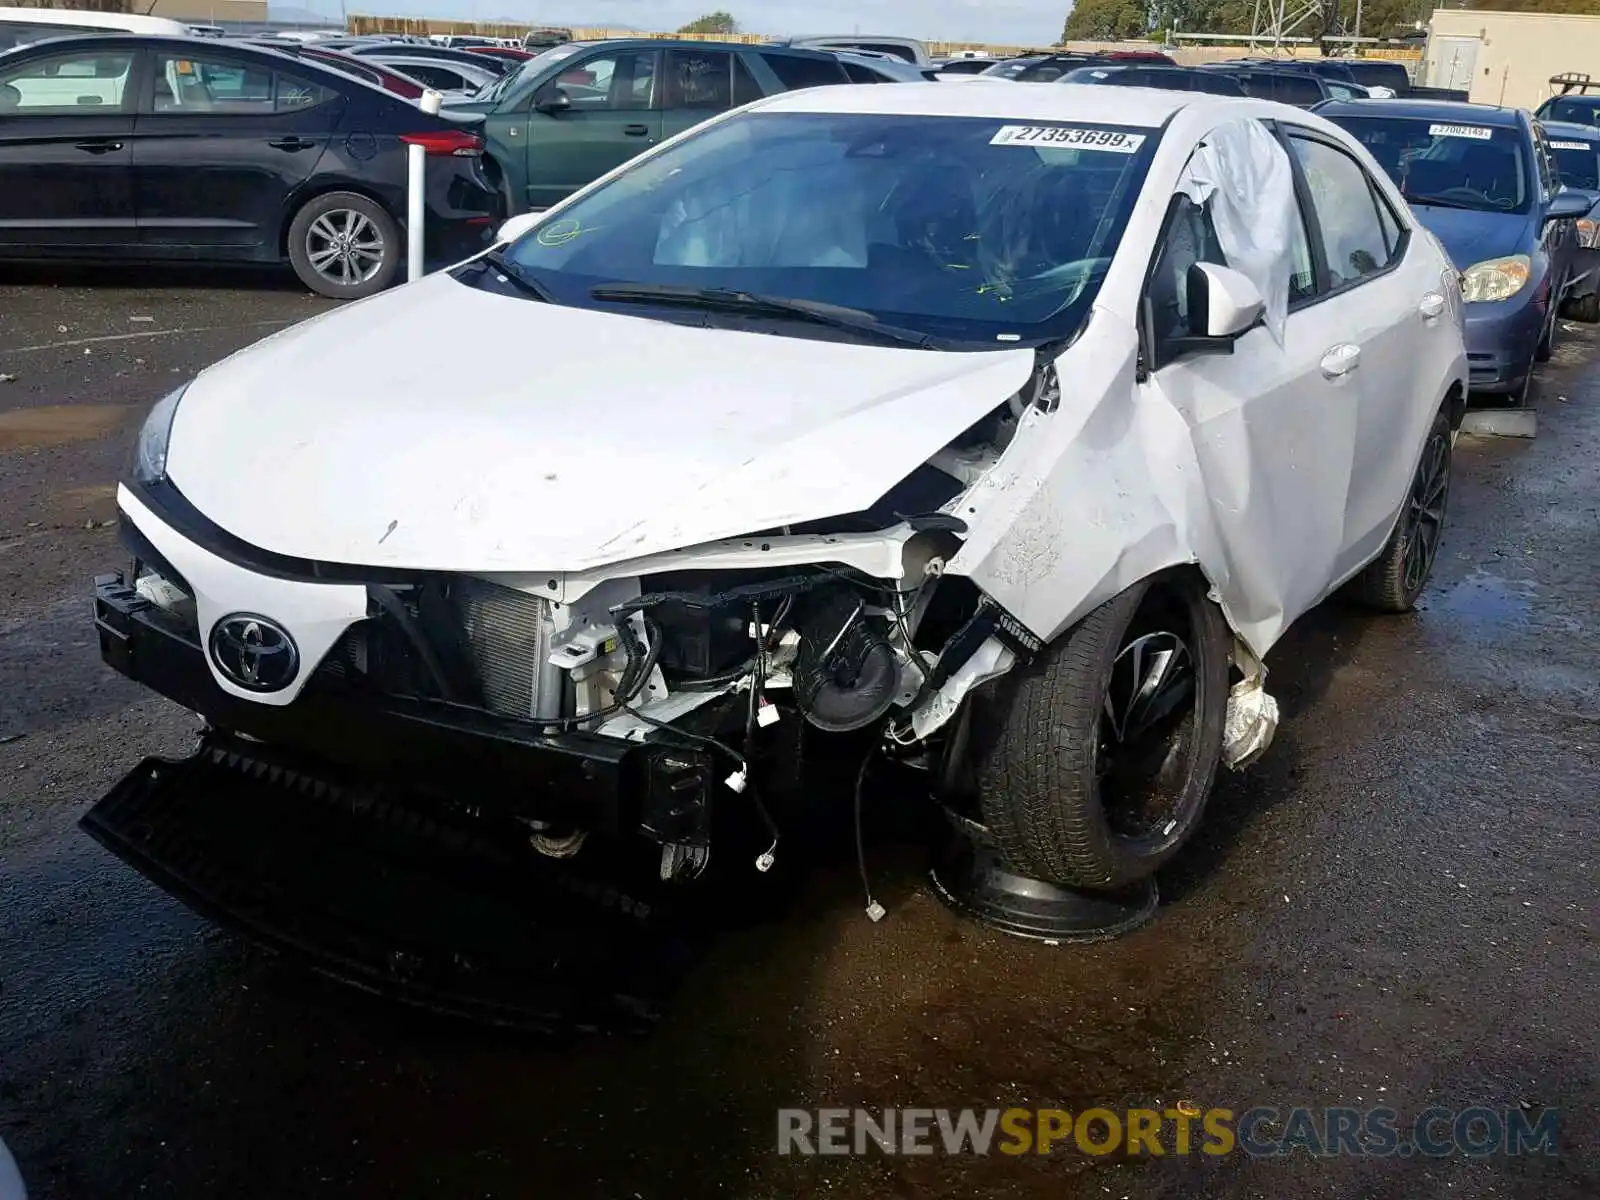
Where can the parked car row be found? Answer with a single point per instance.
(151, 148)
(931, 417)
(1488, 184)
(134, 147)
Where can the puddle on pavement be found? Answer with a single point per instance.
(1486, 601)
(58, 424)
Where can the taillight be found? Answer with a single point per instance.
(1587, 231)
(452, 142)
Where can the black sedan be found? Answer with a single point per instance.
(119, 147)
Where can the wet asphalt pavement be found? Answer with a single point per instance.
(1397, 907)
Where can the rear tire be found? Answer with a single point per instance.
(1392, 582)
(344, 246)
(1081, 784)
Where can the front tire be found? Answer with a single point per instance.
(1585, 309)
(1392, 582)
(1547, 338)
(344, 246)
(1094, 763)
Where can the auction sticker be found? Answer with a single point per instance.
(1074, 137)
(1467, 131)
(1571, 146)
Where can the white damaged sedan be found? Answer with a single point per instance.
(1006, 429)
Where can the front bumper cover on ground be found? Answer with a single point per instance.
(425, 907)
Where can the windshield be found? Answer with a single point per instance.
(969, 230)
(1580, 110)
(1459, 165)
(1578, 162)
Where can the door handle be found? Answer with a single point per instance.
(636, 130)
(99, 146)
(1341, 360)
(291, 144)
(1432, 305)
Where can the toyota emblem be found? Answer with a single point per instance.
(254, 652)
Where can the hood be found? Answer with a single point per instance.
(439, 427)
(1471, 237)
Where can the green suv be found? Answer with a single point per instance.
(574, 112)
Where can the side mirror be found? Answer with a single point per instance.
(553, 100)
(517, 226)
(1222, 303)
(1567, 204)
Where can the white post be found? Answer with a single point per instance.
(416, 209)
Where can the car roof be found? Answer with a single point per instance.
(81, 18)
(1066, 102)
(699, 44)
(200, 45)
(1571, 129)
(1580, 98)
(1426, 110)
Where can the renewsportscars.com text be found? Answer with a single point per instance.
(1260, 1132)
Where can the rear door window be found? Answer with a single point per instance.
(699, 79)
(1354, 239)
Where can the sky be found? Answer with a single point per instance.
(1003, 22)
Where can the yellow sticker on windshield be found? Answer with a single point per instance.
(1078, 137)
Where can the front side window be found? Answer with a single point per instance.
(1578, 162)
(625, 81)
(1190, 238)
(1353, 238)
(699, 79)
(1542, 160)
(1450, 164)
(74, 83)
(972, 230)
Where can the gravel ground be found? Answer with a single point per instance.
(1395, 908)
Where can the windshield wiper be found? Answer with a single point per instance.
(1440, 202)
(512, 274)
(731, 300)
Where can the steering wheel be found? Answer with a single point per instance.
(1462, 192)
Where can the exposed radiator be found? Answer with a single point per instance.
(508, 635)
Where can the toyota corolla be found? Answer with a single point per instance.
(1004, 429)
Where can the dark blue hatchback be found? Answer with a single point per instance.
(1483, 181)
(1576, 149)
